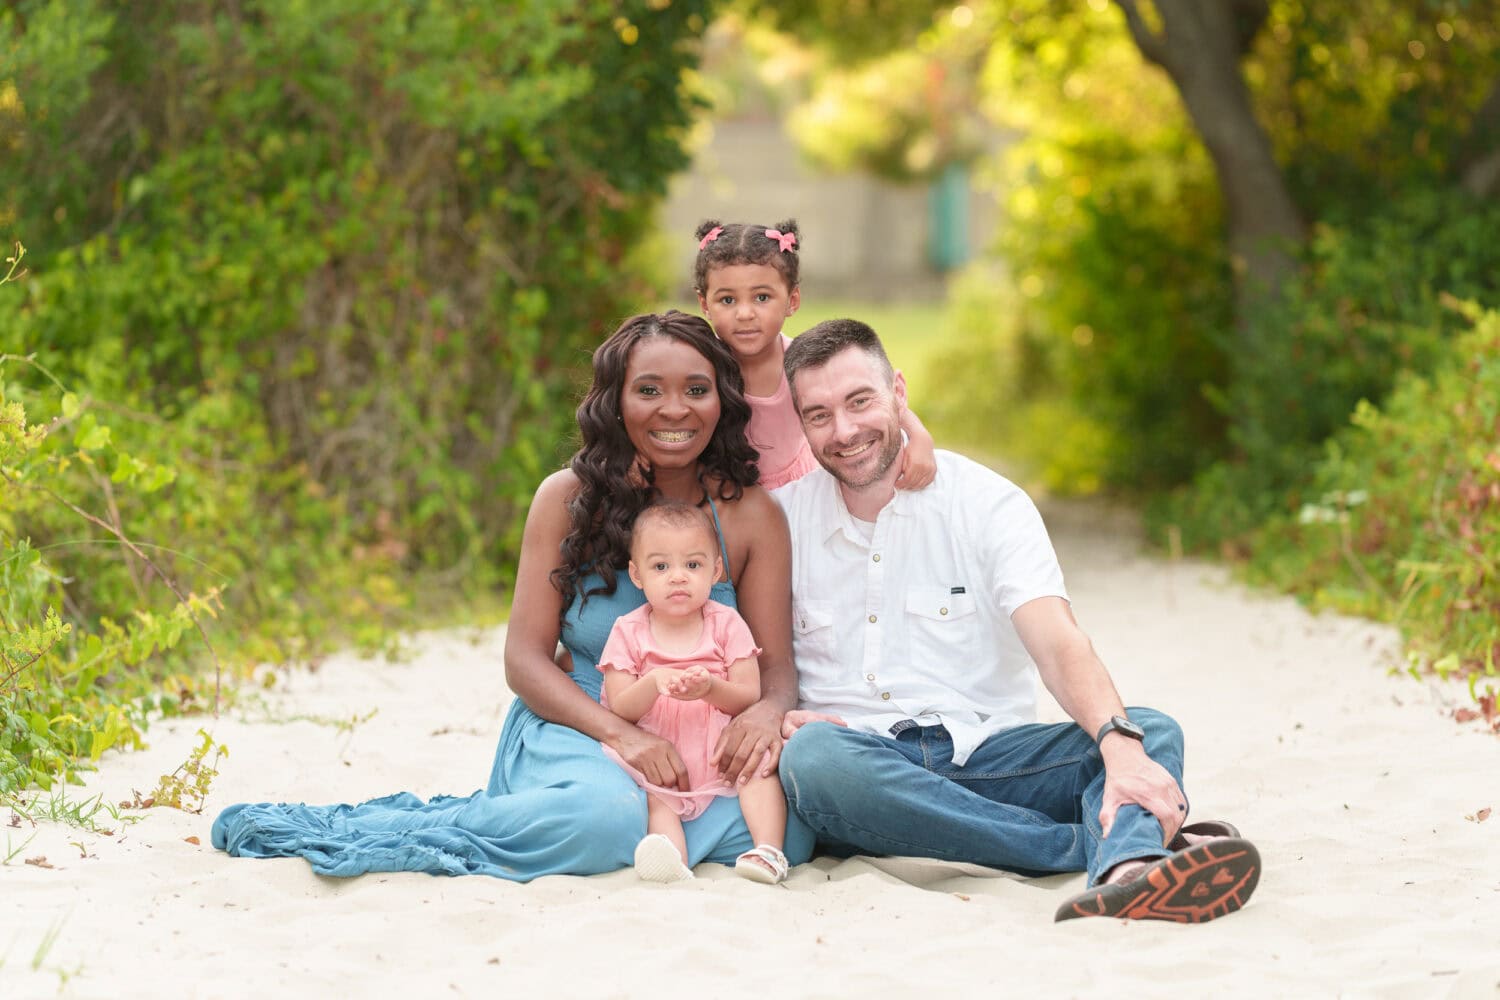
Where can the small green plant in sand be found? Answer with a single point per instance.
(187, 787)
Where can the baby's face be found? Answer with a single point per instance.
(676, 566)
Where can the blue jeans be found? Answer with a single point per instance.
(1027, 800)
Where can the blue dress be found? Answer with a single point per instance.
(555, 805)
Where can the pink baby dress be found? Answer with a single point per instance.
(693, 727)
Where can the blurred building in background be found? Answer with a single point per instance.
(866, 239)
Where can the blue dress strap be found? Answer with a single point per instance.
(723, 549)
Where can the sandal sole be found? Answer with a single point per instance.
(1206, 881)
(656, 860)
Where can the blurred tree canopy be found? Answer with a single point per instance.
(396, 226)
(311, 288)
(1189, 177)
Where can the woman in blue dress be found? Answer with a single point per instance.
(664, 417)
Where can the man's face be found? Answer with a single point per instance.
(852, 417)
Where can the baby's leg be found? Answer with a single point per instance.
(764, 804)
(764, 807)
(661, 856)
(661, 819)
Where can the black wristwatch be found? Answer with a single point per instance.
(1123, 726)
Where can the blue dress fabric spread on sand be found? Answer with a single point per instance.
(555, 805)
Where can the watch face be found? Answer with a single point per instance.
(1124, 725)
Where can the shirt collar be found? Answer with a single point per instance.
(842, 521)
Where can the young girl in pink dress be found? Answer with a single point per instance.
(747, 285)
(681, 666)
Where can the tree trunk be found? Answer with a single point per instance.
(1478, 161)
(1199, 45)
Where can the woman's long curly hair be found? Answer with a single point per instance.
(611, 492)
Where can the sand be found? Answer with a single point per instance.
(1362, 794)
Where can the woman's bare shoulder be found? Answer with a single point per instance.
(754, 510)
(557, 488)
(549, 504)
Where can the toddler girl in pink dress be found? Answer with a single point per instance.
(681, 666)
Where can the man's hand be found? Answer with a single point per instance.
(1132, 777)
(797, 718)
(751, 741)
(653, 756)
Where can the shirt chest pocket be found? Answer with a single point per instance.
(941, 626)
(812, 627)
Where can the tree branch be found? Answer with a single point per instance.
(1249, 17)
(1152, 45)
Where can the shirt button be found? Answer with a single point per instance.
(802, 623)
(876, 557)
(885, 696)
(942, 611)
(869, 677)
(872, 619)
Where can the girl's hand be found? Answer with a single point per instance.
(653, 756)
(690, 684)
(918, 465)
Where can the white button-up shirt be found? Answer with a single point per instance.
(912, 621)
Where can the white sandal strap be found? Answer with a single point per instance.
(772, 856)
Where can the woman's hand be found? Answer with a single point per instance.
(749, 745)
(653, 756)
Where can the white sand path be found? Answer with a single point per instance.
(1351, 781)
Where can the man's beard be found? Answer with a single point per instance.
(890, 451)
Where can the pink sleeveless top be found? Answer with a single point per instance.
(776, 432)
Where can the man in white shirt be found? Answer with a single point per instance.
(918, 618)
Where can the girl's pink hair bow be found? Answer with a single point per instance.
(787, 240)
(712, 235)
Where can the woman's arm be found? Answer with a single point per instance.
(763, 589)
(531, 640)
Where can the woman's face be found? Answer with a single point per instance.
(669, 402)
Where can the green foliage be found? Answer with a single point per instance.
(1403, 517)
(1114, 233)
(187, 787)
(1365, 309)
(311, 285)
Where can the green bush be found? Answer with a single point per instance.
(1402, 520)
(1365, 310)
(311, 285)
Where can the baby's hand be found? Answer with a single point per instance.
(918, 466)
(690, 684)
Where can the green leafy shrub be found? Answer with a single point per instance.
(311, 286)
(1365, 310)
(1402, 520)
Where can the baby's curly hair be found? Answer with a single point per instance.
(743, 243)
